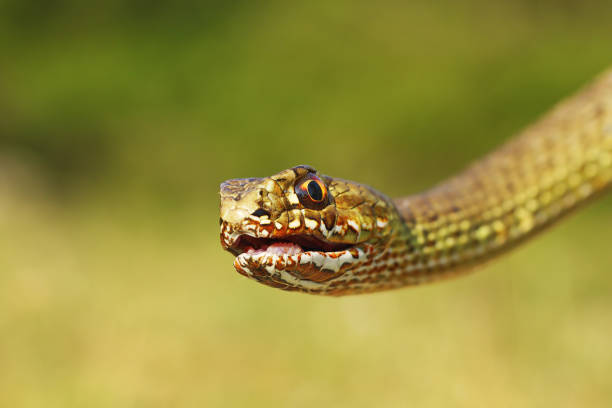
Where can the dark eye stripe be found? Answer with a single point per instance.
(260, 212)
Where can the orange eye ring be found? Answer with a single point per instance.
(312, 192)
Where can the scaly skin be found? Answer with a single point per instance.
(366, 242)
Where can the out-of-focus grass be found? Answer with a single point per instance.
(174, 99)
(119, 119)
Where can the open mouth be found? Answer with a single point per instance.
(289, 245)
(294, 260)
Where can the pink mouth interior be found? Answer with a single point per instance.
(277, 248)
(288, 245)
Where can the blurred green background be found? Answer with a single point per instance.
(118, 121)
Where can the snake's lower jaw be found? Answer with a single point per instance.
(308, 271)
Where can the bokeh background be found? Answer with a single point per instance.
(118, 121)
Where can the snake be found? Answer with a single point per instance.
(300, 230)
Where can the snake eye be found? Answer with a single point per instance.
(312, 192)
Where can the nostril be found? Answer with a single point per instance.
(260, 212)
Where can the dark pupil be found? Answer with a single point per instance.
(314, 190)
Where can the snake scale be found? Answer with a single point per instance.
(303, 231)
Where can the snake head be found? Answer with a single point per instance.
(303, 231)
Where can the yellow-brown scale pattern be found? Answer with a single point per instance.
(551, 168)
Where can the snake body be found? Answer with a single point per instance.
(337, 237)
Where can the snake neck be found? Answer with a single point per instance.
(553, 167)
